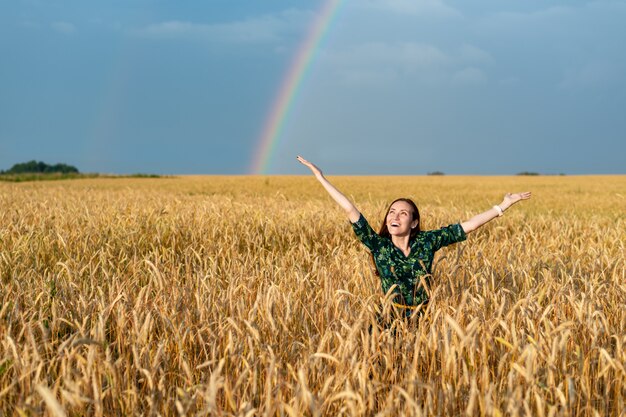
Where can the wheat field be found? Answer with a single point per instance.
(251, 296)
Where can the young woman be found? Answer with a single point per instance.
(402, 253)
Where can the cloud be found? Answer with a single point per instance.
(552, 12)
(262, 29)
(473, 54)
(379, 62)
(425, 8)
(469, 76)
(63, 27)
(591, 74)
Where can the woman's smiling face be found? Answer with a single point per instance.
(400, 219)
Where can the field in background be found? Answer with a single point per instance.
(251, 296)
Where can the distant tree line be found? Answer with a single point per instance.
(526, 173)
(532, 174)
(40, 171)
(38, 167)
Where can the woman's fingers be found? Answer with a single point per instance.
(514, 198)
(305, 162)
(311, 166)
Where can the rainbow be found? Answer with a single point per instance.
(275, 121)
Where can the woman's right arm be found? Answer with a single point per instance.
(342, 200)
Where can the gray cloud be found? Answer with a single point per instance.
(473, 54)
(469, 75)
(377, 63)
(261, 29)
(425, 8)
(591, 74)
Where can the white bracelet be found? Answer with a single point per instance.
(499, 210)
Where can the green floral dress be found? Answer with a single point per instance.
(407, 272)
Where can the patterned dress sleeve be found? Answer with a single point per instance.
(366, 234)
(446, 236)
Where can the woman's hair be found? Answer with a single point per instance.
(384, 230)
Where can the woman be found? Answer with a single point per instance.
(403, 254)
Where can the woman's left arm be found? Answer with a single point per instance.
(496, 211)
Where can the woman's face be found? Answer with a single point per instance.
(400, 219)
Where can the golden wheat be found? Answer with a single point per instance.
(243, 296)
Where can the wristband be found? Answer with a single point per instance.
(499, 210)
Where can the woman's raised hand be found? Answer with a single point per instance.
(510, 199)
(342, 200)
(316, 171)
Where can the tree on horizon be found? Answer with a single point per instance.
(39, 167)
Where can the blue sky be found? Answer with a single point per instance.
(397, 86)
